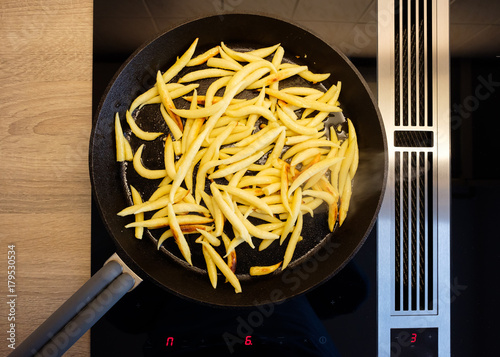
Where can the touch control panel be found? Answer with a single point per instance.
(421, 342)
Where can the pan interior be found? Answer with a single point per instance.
(315, 229)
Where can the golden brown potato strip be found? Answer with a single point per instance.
(348, 162)
(180, 63)
(188, 181)
(213, 240)
(257, 180)
(308, 75)
(151, 205)
(240, 56)
(203, 57)
(162, 190)
(292, 243)
(252, 109)
(205, 73)
(224, 64)
(294, 213)
(264, 51)
(264, 270)
(183, 208)
(178, 235)
(164, 236)
(354, 142)
(165, 222)
(336, 167)
(119, 140)
(345, 199)
(223, 267)
(144, 172)
(139, 217)
(264, 244)
(211, 267)
(169, 157)
(215, 213)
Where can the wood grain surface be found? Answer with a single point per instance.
(45, 123)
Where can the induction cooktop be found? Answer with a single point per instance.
(410, 290)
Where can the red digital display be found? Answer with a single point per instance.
(414, 342)
(413, 338)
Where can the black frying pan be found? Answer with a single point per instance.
(323, 254)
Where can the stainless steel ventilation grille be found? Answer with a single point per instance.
(413, 262)
(413, 63)
(413, 243)
(414, 258)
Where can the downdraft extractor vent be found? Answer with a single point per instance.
(413, 248)
(413, 227)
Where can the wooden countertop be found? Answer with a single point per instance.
(45, 122)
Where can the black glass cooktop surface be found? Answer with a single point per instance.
(338, 318)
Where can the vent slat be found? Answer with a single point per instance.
(405, 200)
(397, 215)
(397, 66)
(413, 66)
(421, 231)
(413, 220)
(430, 232)
(428, 65)
(421, 63)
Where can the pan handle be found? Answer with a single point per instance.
(81, 311)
